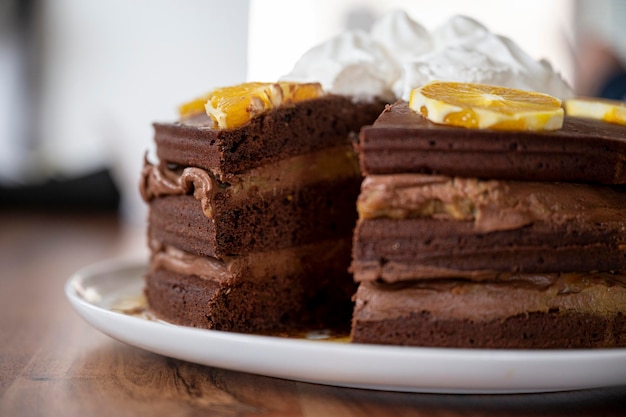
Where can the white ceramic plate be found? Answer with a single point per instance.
(104, 295)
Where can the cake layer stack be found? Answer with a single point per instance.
(250, 227)
(491, 239)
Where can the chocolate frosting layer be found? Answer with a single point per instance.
(159, 182)
(492, 205)
(281, 262)
(181, 262)
(594, 293)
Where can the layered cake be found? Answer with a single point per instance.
(250, 226)
(489, 238)
(464, 237)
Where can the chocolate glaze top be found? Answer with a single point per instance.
(584, 150)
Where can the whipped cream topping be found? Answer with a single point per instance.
(398, 55)
(351, 64)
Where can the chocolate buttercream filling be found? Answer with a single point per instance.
(490, 204)
(287, 261)
(329, 164)
(159, 182)
(497, 299)
(184, 263)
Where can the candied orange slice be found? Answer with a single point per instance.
(611, 111)
(193, 107)
(234, 106)
(481, 106)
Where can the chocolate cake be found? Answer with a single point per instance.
(465, 237)
(483, 238)
(250, 228)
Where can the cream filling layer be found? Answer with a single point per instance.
(492, 205)
(588, 293)
(184, 263)
(283, 262)
(331, 164)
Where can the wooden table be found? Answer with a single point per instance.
(53, 364)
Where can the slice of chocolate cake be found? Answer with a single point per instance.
(250, 227)
(583, 150)
(484, 248)
(466, 237)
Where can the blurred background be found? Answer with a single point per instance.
(82, 81)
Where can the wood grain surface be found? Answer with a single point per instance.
(53, 364)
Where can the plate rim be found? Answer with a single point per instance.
(469, 360)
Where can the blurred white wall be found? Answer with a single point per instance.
(113, 67)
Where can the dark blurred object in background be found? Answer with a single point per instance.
(81, 83)
(24, 182)
(615, 86)
(20, 77)
(96, 192)
(600, 72)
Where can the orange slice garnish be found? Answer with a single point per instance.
(232, 107)
(481, 106)
(611, 111)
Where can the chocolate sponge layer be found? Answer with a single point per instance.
(392, 250)
(274, 220)
(286, 131)
(403, 141)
